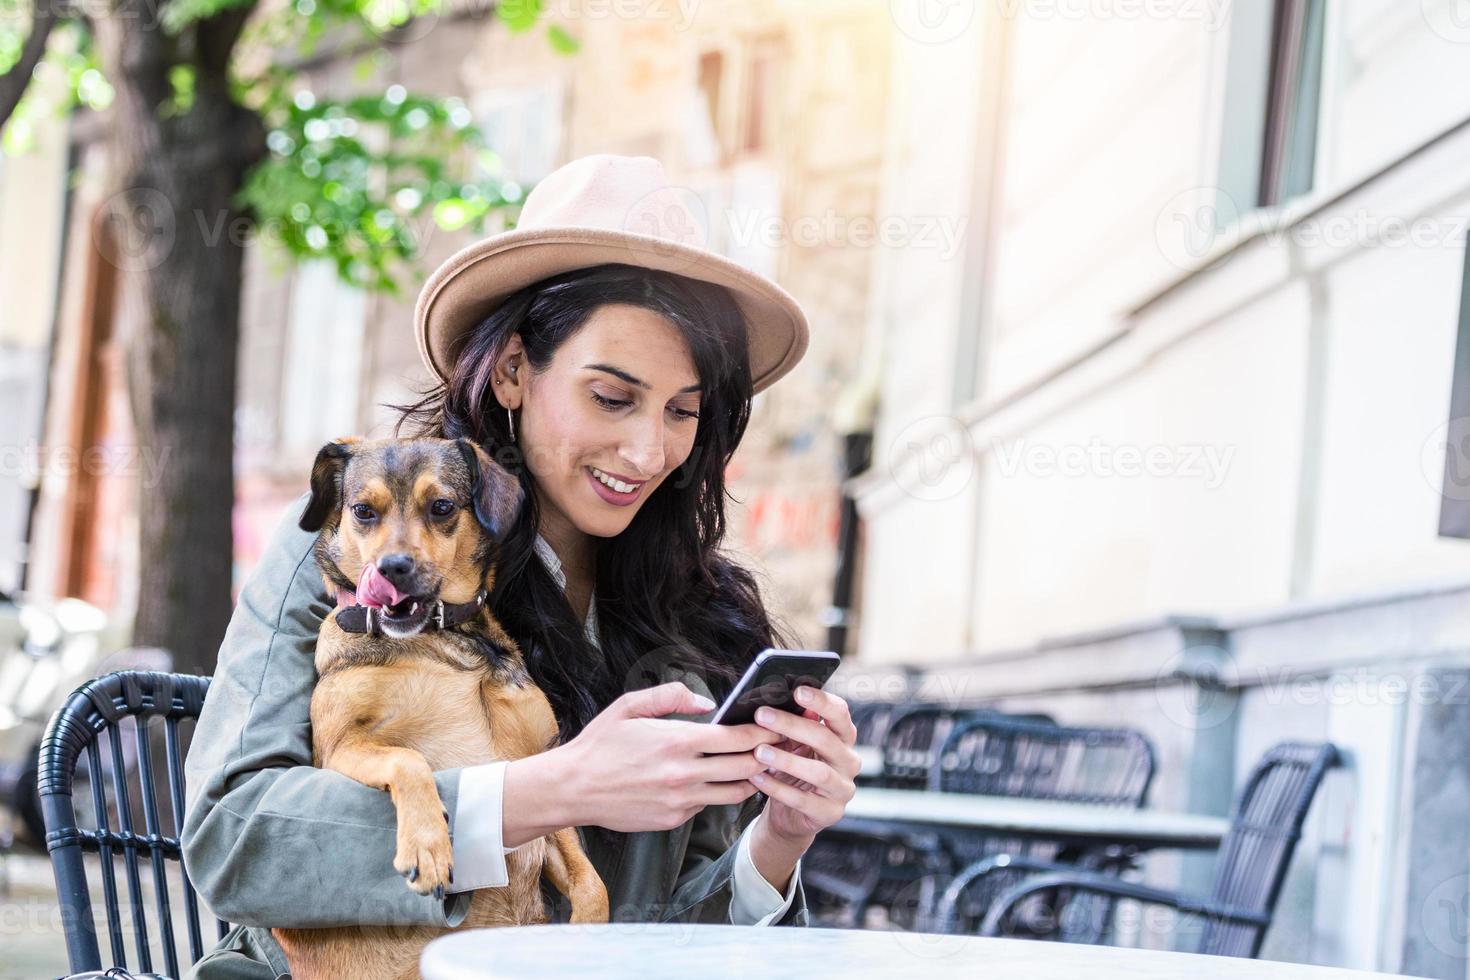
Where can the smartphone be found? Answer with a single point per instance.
(772, 679)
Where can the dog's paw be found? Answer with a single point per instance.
(425, 858)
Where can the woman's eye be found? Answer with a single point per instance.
(363, 512)
(684, 413)
(442, 507)
(611, 404)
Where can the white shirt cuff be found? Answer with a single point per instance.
(476, 838)
(754, 901)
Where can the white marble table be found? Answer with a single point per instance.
(711, 952)
(1047, 819)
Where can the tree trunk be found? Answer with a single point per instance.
(177, 241)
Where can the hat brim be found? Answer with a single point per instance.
(471, 283)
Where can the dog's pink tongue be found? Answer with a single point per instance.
(375, 590)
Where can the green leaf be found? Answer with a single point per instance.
(561, 41)
(519, 15)
(179, 14)
(322, 193)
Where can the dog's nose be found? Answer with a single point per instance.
(396, 568)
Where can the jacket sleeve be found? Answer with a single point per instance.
(268, 839)
(705, 886)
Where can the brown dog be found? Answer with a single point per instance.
(423, 678)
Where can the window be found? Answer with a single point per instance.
(1290, 151)
(1454, 498)
(1273, 95)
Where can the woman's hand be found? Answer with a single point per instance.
(815, 766)
(632, 770)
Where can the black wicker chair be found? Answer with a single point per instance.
(845, 867)
(104, 707)
(1265, 825)
(1025, 759)
(868, 863)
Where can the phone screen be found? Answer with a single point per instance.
(772, 680)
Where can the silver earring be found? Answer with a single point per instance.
(511, 416)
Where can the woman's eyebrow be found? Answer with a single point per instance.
(619, 372)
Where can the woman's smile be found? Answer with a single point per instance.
(615, 491)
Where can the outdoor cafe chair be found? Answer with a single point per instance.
(1265, 825)
(1024, 759)
(96, 712)
(866, 863)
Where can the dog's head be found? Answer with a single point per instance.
(415, 519)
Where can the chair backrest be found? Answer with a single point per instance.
(911, 744)
(1265, 825)
(870, 718)
(1002, 756)
(97, 711)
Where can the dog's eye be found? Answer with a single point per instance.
(442, 507)
(363, 512)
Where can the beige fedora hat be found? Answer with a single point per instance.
(594, 210)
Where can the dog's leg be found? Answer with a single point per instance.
(573, 875)
(424, 851)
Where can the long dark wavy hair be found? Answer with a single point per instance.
(670, 602)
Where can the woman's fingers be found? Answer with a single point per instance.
(822, 811)
(724, 767)
(818, 774)
(823, 741)
(832, 709)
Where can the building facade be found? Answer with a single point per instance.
(1167, 436)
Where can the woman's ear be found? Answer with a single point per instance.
(510, 373)
(326, 483)
(495, 493)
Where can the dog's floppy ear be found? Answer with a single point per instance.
(496, 494)
(326, 483)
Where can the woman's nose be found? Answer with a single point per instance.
(646, 452)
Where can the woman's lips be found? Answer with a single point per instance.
(608, 493)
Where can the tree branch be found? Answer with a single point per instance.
(44, 16)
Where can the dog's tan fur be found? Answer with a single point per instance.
(389, 712)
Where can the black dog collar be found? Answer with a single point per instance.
(442, 616)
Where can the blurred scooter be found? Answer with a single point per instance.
(48, 647)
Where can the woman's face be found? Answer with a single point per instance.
(618, 404)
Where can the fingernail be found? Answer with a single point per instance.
(765, 715)
(803, 694)
(765, 754)
(703, 703)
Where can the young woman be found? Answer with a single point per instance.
(610, 364)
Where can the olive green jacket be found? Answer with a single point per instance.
(269, 840)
